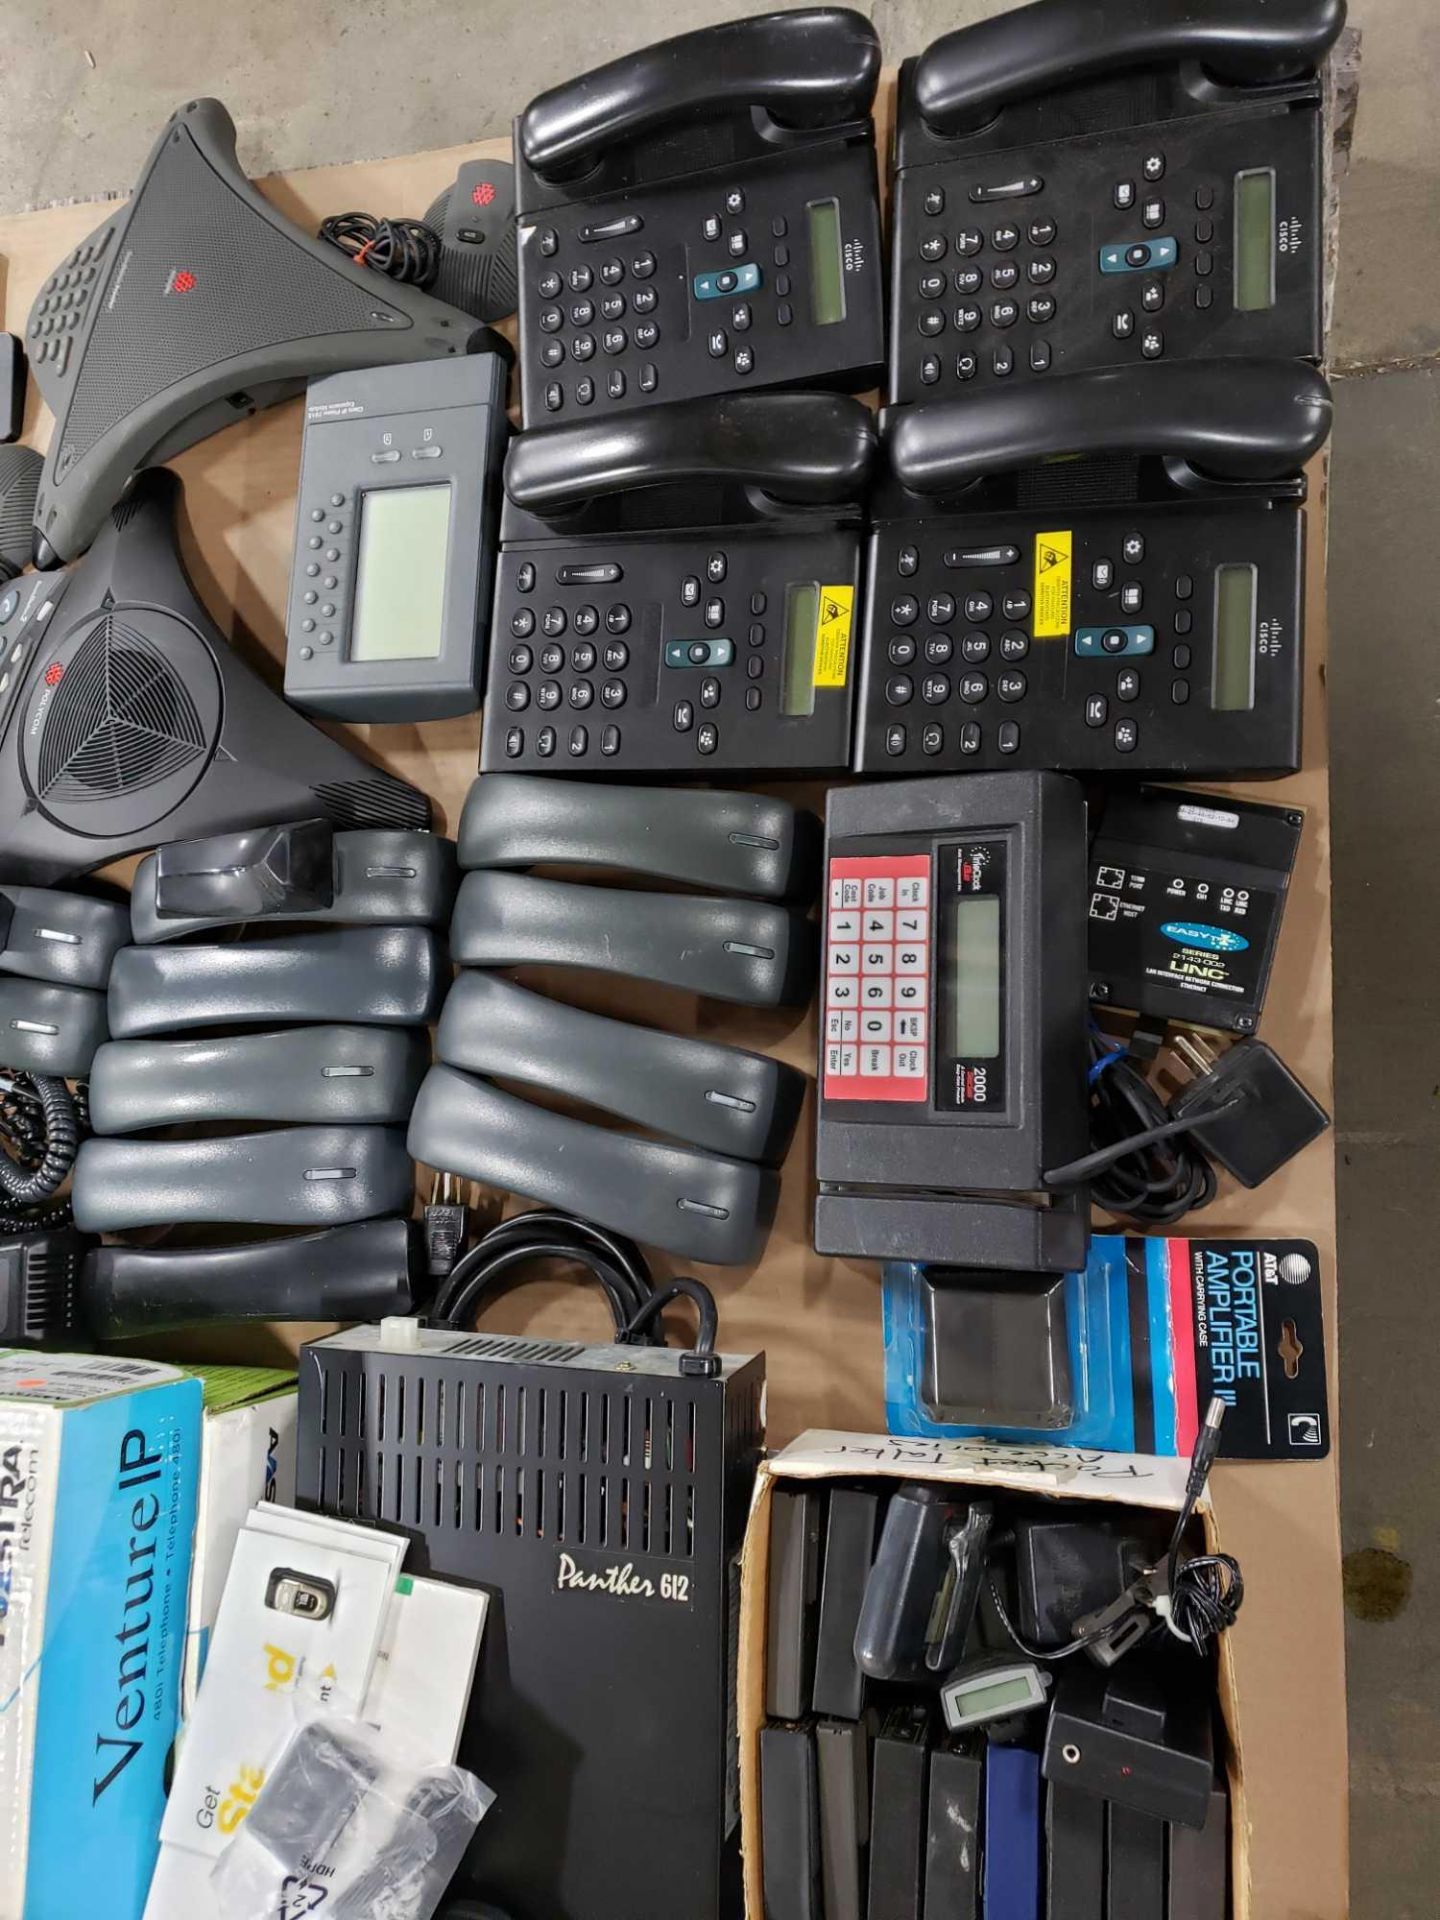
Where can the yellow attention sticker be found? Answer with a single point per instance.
(1053, 552)
(832, 641)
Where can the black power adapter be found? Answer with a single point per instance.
(1246, 1109)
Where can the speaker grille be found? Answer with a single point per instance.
(120, 720)
(380, 800)
(205, 279)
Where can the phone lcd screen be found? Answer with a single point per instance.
(400, 580)
(827, 263)
(1255, 239)
(976, 959)
(982, 1699)
(797, 665)
(1232, 688)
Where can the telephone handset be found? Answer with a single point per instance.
(1101, 574)
(1082, 186)
(701, 216)
(677, 589)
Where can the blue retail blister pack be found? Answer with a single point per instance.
(1123, 1356)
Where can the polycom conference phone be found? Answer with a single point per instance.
(677, 588)
(1084, 186)
(127, 721)
(1101, 574)
(193, 305)
(701, 216)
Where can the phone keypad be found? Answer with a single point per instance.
(708, 289)
(58, 315)
(964, 663)
(663, 656)
(877, 979)
(1007, 258)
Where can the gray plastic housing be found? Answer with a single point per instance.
(382, 435)
(700, 1206)
(65, 938)
(379, 876)
(361, 1271)
(292, 1177)
(742, 950)
(746, 843)
(721, 1098)
(383, 976)
(352, 1074)
(45, 1029)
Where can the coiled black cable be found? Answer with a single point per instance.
(404, 250)
(40, 1126)
(612, 1260)
(1144, 1164)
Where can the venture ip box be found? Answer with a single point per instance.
(99, 1462)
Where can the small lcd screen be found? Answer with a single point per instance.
(827, 263)
(976, 953)
(1015, 1690)
(400, 581)
(797, 668)
(1232, 687)
(1255, 239)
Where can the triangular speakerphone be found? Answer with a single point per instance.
(126, 720)
(194, 305)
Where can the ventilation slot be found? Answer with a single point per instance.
(499, 1346)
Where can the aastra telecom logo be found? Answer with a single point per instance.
(483, 194)
(180, 280)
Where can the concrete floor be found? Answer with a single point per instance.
(346, 79)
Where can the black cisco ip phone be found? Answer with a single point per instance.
(1102, 574)
(1083, 185)
(677, 589)
(702, 215)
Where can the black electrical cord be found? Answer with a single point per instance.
(616, 1263)
(1152, 1171)
(1200, 1597)
(681, 1288)
(41, 1122)
(405, 250)
(1208, 1589)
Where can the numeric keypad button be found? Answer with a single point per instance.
(973, 688)
(904, 610)
(617, 618)
(586, 620)
(548, 695)
(1014, 645)
(975, 649)
(935, 689)
(582, 658)
(617, 656)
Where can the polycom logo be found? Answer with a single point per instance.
(483, 194)
(54, 674)
(181, 280)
